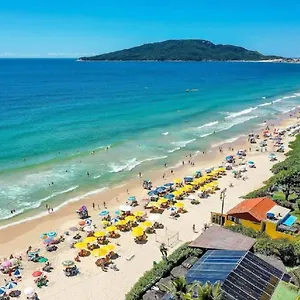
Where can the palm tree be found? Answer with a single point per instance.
(180, 290)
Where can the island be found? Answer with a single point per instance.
(183, 50)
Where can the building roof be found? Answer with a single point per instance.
(279, 211)
(242, 274)
(216, 237)
(257, 208)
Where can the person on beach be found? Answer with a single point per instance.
(104, 203)
(93, 205)
(194, 228)
(172, 171)
(183, 162)
(140, 174)
(47, 206)
(164, 175)
(88, 173)
(127, 191)
(165, 165)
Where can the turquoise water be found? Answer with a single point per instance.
(54, 113)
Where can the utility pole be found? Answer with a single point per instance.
(222, 198)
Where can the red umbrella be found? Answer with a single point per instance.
(37, 273)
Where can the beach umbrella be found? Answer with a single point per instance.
(172, 209)
(130, 218)
(169, 196)
(100, 234)
(146, 224)
(109, 247)
(73, 228)
(29, 291)
(104, 222)
(100, 252)
(154, 217)
(125, 208)
(89, 240)
(272, 155)
(152, 193)
(6, 264)
(169, 184)
(139, 213)
(68, 263)
(17, 273)
(80, 245)
(162, 201)
(88, 222)
(88, 228)
(132, 198)
(115, 220)
(178, 180)
(37, 273)
(153, 204)
(121, 223)
(111, 228)
(251, 162)
(44, 235)
(191, 197)
(52, 234)
(118, 212)
(103, 213)
(81, 223)
(179, 205)
(163, 188)
(10, 285)
(137, 231)
(48, 241)
(2, 290)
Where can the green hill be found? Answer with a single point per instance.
(186, 50)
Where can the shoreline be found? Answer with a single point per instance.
(116, 195)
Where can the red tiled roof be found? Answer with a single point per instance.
(256, 207)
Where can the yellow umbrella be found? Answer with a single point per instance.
(89, 240)
(177, 193)
(178, 180)
(139, 213)
(111, 228)
(162, 201)
(179, 205)
(222, 170)
(146, 224)
(194, 183)
(213, 183)
(121, 223)
(137, 231)
(130, 218)
(80, 245)
(100, 252)
(100, 234)
(104, 222)
(109, 247)
(153, 204)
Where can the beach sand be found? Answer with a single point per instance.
(92, 282)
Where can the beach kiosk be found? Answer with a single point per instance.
(147, 184)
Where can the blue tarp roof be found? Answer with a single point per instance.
(214, 265)
(290, 221)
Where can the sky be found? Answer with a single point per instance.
(60, 28)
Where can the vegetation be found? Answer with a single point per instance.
(160, 270)
(180, 290)
(285, 291)
(186, 50)
(287, 251)
(286, 177)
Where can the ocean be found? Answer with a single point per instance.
(61, 119)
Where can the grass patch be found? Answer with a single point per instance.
(296, 213)
(284, 291)
(279, 196)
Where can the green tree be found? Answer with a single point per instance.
(296, 277)
(288, 181)
(179, 289)
(209, 291)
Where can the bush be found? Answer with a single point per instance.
(244, 230)
(160, 270)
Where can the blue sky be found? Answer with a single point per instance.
(59, 28)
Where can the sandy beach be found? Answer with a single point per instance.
(92, 282)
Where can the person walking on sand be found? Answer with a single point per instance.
(93, 205)
(104, 203)
(194, 228)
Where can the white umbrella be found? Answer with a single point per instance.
(191, 197)
(29, 291)
(154, 217)
(125, 208)
(88, 228)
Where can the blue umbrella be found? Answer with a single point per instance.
(172, 208)
(2, 290)
(152, 193)
(17, 273)
(118, 212)
(103, 213)
(161, 188)
(52, 234)
(43, 235)
(250, 162)
(132, 198)
(169, 196)
(169, 184)
(115, 220)
(272, 155)
(10, 285)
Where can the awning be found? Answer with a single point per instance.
(290, 221)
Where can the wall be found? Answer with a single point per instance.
(274, 234)
(249, 224)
